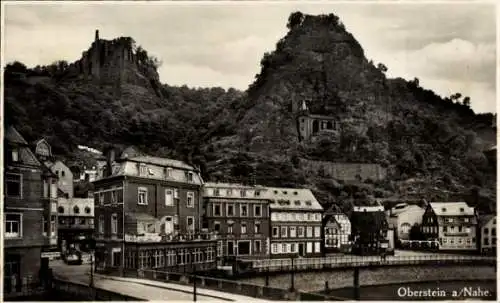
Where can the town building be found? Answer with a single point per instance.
(403, 217)
(370, 230)
(295, 224)
(27, 192)
(453, 224)
(76, 224)
(487, 234)
(239, 214)
(148, 212)
(337, 231)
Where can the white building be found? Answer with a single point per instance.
(296, 221)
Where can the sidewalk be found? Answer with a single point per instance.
(156, 290)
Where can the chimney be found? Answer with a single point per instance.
(96, 35)
(110, 160)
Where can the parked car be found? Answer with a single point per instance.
(73, 257)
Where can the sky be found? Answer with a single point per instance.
(450, 47)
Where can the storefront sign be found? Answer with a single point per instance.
(147, 238)
(51, 254)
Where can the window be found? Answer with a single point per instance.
(190, 223)
(190, 177)
(274, 248)
(76, 210)
(243, 193)
(53, 189)
(216, 192)
(292, 247)
(62, 173)
(13, 185)
(143, 170)
(257, 247)
(466, 219)
(317, 247)
(230, 228)
(275, 232)
(101, 198)
(486, 231)
(317, 231)
(114, 223)
(113, 197)
(60, 210)
(460, 229)
(15, 155)
(243, 228)
(243, 210)
(217, 210)
(284, 231)
(493, 231)
(229, 192)
(293, 232)
(256, 228)
(405, 228)
(230, 210)
(176, 193)
(300, 231)
(101, 224)
(87, 210)
(13, 226)
(168, 172)
(190, 199)
(486, 241)
(257, 210)
(300, 216)
(143, 196)
(309, 231)
(217, 226)
(445, 228)
(257, 193)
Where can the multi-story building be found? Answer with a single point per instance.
(487, 234)
(336, 230)
(147, 212)
(369, 230)
(453, 224)
(239, 214)
(295, 222)
(26, 195)
(403, 217)
(76, 223)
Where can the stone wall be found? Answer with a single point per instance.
(345, 171)
(315, 281)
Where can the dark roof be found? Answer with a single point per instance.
(483, 219)
(11, 135)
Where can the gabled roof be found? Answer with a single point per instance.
(484, 219)
(11, 135)
(451, 209)
(291, 198)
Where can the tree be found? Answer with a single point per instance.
(381, 67)
(15, 67)
(466, 101)
(416, 232)
(295, 19)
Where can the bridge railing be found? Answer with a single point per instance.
(348, 261)
(234, 286)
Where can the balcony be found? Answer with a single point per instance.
(157, 238)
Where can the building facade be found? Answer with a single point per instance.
(296, 221)
(369, 230)
(25, 207)
(239, 214)
(403, 217)
(453, 224)
(487, 234)
(147, 215)
(76, 224)
(337, 231)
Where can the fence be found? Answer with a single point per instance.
(63, 289)
(272, 265)
(234, 287)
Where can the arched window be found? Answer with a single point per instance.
(76, 210)
(87, 210)
(60, 210)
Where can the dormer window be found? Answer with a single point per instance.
(229, 192)
(190, 177)
(243, 193)
(297, 202)
(216, 192)
(284, 192)
(168, 172)
(308, 203)
(142, 170)
(462, 210)
(295, 193)
(257, 193)
(15, 155)
(275, 192)
(443, 209)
